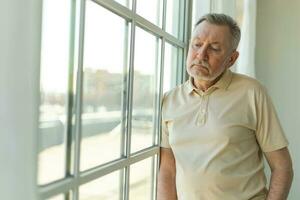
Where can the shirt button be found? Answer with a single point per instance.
(201, 118)
(200, 122)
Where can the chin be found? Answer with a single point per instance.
(203, 78)
(200, 76)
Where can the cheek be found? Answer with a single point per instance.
(189, 59)
(216, 62)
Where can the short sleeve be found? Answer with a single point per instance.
(164, 128)
(269, 132)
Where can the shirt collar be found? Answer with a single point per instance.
(223, 83)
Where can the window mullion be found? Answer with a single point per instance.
(155, 160)
(71, 96)
(188, 7)
(156, 140)
(126, 174)
(125, 111)
(71, 92)
(78, 99)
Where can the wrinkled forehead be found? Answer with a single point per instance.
(208, 31)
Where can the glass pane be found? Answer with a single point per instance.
(126, 3)
(144, 89)
(53, 86)
(174, 17)
(103, 85)
(244, 25)
(194, 15)
(141, 183)
(239, 10)
(171, 67)
(150, 10)
(58, 197)
(104, 188)
(62, 196)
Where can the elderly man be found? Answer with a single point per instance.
(217, 126)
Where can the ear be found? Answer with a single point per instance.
(234, 56)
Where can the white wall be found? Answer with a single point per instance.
(224, 6)
(246, 60)
(277, 67)
(202, 7)
(19, 86)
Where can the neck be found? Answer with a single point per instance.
(205, 84)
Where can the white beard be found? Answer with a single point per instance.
(198, 75)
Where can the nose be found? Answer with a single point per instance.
(201, 53)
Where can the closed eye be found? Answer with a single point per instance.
(214, 48)
(197, 45)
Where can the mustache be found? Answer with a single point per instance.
(201, 62)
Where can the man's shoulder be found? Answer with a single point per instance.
(245, 82)
(180, 89)
(175, 99)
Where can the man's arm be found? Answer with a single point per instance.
(281, 174)
(166, 176)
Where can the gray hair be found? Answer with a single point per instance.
(222, 19)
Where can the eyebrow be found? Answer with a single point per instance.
(218, 43)
(215, 43)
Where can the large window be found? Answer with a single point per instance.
(104, 67)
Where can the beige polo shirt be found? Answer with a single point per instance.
(218, 137)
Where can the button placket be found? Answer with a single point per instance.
(202, 113)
